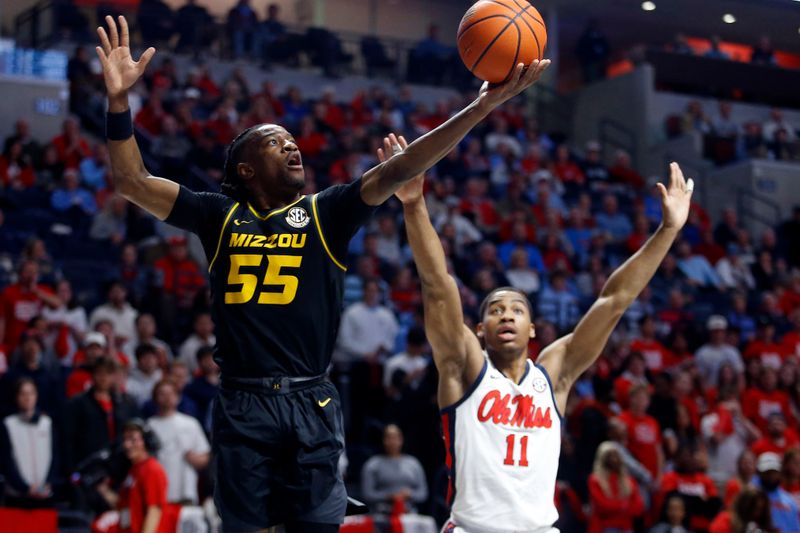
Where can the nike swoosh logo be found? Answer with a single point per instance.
(240, 222)
(324, 402)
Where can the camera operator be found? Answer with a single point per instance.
(142, 497)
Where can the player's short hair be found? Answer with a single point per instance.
(485, 302)
(232, 184)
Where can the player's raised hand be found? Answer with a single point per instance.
(677, 199)
(411, 191)
(120, 71)
(522, 78)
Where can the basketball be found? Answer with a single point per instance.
(496, 35)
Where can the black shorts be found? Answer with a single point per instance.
(276, 457)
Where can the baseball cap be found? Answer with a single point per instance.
(95, 337)
(716, 322)
(768, 461)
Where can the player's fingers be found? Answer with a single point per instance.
(101, 32)
(676, 177)
(690, 186)
(393, 139)
(102, 56)
(532, 72)
(123, 31)
(147, 55)
(381, 155)
(112, 31)
(662, 190)
(387, 146)
(403, 142)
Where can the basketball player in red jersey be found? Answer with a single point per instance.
(491, 396)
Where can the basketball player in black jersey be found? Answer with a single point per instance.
(276, 273)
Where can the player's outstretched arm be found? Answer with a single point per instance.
(383, 180)
(120, 71)
(451, 341)
(567, 358)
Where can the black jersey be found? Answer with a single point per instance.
(276, 277)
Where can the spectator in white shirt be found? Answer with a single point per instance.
(145, 375)
(117, 311)
(775, 123)
(716, 352)
(368, 328)
(146, 334)
(733, 272)
(388, 245)
(69, 314)
(203, 336)
(408, 368)
(26, 449)
(184, 448)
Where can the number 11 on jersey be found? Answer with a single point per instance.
(523, 451)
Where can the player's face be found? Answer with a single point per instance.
(506, 325)
(276, 160)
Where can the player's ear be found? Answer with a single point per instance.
(244, 170)
(533, 331)
(479, 330)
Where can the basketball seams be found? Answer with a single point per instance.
(516, 54)
(474, 22)
(499, 34)
(495, 2)
(539, 51)
(525, 11)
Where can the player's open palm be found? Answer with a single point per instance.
(119, 68)
(677, 199)
(522, 78)
(411, 191)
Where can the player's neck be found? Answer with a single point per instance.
(512, 367)
(267, 202)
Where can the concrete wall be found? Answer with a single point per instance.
(43, 104)
(624, 99)
(777, 182)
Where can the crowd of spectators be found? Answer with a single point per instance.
(105, 312)
(761, 53)
(727, 139)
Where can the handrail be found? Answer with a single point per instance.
(746, 212)
(608, 128)
(34, 35)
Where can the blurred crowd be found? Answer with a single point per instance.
(727, 139)
(688, 420)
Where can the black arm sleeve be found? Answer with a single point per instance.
(342, 212)
(202, 213)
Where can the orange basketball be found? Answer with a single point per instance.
(496, 35)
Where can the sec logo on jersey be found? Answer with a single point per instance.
(297, 217)
(539, 385)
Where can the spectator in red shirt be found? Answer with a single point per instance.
(708, 247)
(70, 146)
(151, 116)
(778, 438)
(689, 480)
(475, 204)
(759, 403)
(566, 170)
(656, 356)
(180, 276)
(623, 172)
(641, 232)
(142, 498)
(791, 340)
(745, 473)
(790, 299)
(644, 432)
(750, 511)
(16, 170)
(80, 379)
(613, 494)
(633, 375)
(22, 301)
(764, 345)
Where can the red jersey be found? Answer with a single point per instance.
(721, 524)
(757, 405)
(791, 343)
(696, 484)
(71, 156)
(614, 510)
(145, 486)
(19, 305)
(766, 444)
(772, 354)
(182, 279)
(656, 356)
(644, 439)
(732, 488)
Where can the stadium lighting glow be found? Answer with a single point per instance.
(727, 18)
(651, 6)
